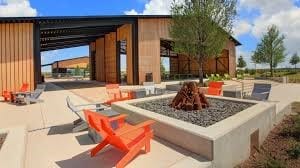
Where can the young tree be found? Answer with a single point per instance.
(241, 62)
(77, 71)
(295, 59)
(271, 49)
(201, 28)
(162, 67)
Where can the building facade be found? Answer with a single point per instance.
(141, 38)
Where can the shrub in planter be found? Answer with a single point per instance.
(269, 161)
(294, 153)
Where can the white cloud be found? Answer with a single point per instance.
(283, 13)
(155, 7)
(131, 12)
(16, 8)
(241, 27)
(267, 7)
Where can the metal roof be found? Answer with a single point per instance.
(65, 18)
(58, 32)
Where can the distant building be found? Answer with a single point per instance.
(63, 66)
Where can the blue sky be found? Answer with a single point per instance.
(254, 16)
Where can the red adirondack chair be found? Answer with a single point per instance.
(127, 138)
(8, 94)
(215, 88)
(115, 94)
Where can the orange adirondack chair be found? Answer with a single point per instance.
(127, 138)
(7, 94)
(115, 94)
(215, 88)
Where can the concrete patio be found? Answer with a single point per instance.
(51, 143)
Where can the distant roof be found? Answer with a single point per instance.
(65, 60)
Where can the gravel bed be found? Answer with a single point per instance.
(2, 139)
(219, 110)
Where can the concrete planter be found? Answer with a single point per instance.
(12, 153)
(173, 87)
(226, 143)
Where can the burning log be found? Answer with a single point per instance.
(190, 97)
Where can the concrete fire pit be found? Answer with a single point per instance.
(226, 142)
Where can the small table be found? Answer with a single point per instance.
(232, 93)
(18, 97)
(138, 93)
(135, 93)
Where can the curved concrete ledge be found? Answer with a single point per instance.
(12, 153)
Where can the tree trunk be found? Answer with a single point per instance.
(271, 69)
(271, 65)
(201, 73)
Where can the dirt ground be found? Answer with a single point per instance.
(274, 152)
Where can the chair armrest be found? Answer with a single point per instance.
(90, 104)
(119, 117)
(95, 109)
(144, 125)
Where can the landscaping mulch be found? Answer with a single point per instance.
(2, 139)
(218, 110)
(274, 153)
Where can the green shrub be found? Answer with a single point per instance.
(239, 76)
(269, 161)
(293, 131)
(272, 163)
(294, 153)
(227, 77)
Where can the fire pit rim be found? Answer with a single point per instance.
(211, 132)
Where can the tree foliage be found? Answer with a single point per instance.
(241, 62)
(162, 67)
(271, 49)
(77, 71)
(201, 28)
(295, 59)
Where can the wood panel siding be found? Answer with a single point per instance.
(150, 32)
(16, 55)
(73, 63)
(125, 33)
(110, 58)
(232, 57)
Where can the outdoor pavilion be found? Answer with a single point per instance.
(140, 37)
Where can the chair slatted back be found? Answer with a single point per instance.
(261, 88)
(38, 91)
(150, 87)
(113, 91)
(102, 125)
(261, 91)
(24, 87)
(216, 85)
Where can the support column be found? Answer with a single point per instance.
(37, 55)
(135, 52)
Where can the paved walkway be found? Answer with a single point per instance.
(51, 143)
